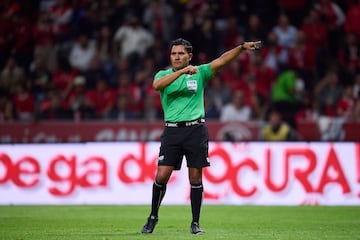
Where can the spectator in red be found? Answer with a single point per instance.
(102, 98)
(334, 19)
(23, 38)
(132, 91)
(302, 56)
(259, 76)
(349, 54)
(316, 32)
(233, 76)
(331, 12)
(352, 23)
(61, 13)
(53, 107)
(345, 105)
(245, 57)
(63, 77)
(24, 103)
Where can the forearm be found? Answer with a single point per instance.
(230, 55)
(166, 80)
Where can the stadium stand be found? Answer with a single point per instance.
(70, 61)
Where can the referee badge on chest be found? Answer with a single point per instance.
(191, 85)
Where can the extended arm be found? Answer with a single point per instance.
(230, 55)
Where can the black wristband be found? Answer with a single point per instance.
(242, 46)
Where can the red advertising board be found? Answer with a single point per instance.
(102, 131)
(47, 132)
(257, 173)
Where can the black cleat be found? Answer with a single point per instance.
(150, 224)
(195, 228)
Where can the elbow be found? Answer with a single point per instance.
(156, 86)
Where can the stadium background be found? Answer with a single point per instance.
(77, 74)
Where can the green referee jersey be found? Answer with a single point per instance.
(183, 99)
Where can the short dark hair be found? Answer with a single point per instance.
(185, 43)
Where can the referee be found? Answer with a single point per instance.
(182, 97)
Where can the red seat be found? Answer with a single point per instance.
(308, 131)
(352, 131)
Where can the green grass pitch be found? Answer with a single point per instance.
(219, 222)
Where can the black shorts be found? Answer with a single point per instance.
(191, 142)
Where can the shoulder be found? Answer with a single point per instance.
(205, 71)
(163, 73)
(204, 67)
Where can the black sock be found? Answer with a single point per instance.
(158, 194)
(196, 196)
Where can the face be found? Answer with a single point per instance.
(238, 98)
(179, 57)
(275, 118)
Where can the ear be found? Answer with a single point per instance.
(190, 56)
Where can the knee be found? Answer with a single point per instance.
(195, 178)
(162, 176)
(161, 179)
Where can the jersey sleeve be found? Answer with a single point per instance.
(159, 74)
(205, 71)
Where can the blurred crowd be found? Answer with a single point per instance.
(92, 59)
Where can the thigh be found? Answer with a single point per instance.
(171, 153)
(196, 147)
